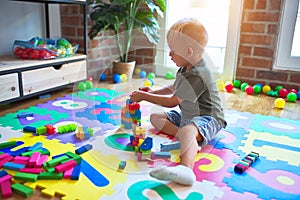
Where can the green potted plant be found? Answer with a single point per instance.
(124, 16)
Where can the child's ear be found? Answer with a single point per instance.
(190, 51)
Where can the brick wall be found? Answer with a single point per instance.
(72, 23)
(257, 50)
(102, 50)
(258, 40)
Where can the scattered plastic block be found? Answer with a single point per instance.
(13, 166)
(6, 177)
(50, 129)
(36, 146)
(5, 145)
(56, 161)
(50, 176)
(4, 155)
(42, 160)
(68, 173)
(34, 159)
(42, 151)
(83, 149)
(31, 170)
(159, 154)
(3, 173)
(76, 172)
(21, 160)
(6, 189)
(22, 190)
(65, 166)
(29, 129)
(5, 160)
(26, 177)
(122, 165)
(23, 115)
(246, 162)
(74, 156)
(67, 128)
(19, 151)
(41, 130)
(170, 146)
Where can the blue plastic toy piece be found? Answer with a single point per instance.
(147, 144)
(83, 149)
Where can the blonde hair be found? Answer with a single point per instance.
(191, 31)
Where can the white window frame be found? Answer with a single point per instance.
(231, 55)
(284, 60)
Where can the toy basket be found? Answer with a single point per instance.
(43, 49)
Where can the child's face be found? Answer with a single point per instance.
(178, 55)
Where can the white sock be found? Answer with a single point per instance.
(179, 174)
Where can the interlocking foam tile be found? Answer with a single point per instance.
(69, 104)
(7, 133)
(70, 137)
(103, 112)
(274, 184)
(98, 94)
(275, 175)
(41, 117)
(95, 179)
(113, 148)
(210, 166)
(273, 147)
(232, 195)
(231, 138)
(238, 119)
(276, 126)
(155, 189)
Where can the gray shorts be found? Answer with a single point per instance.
(208, 126)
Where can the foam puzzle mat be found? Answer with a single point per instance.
(275, 175)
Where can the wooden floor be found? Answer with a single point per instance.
(237, 100)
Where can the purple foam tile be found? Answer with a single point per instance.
(36, 117)
(69, 104)
(98, 127)
(238, 119)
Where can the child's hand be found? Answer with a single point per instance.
(136, 96)
(145, 89)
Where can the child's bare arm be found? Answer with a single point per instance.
(165, 90)
(163, 100)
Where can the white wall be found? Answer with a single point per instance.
(19, 21)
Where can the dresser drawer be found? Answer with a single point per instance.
(53, 76)
(9, 86)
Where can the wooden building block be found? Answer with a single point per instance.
(5, 145)
(43, 159)
(56, 161)
(76, 172)
(65, 166)
(6, 189)
(6, 177)
(13, 166)
(34, 159)
(83, 149)
(50, 176)
(31, 170)
(22, 190)
(21, 176)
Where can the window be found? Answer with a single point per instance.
(221, 18)
(288, 48)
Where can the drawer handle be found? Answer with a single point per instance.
(57, 67)
(13, 89)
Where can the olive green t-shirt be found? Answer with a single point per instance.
(197, 88)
